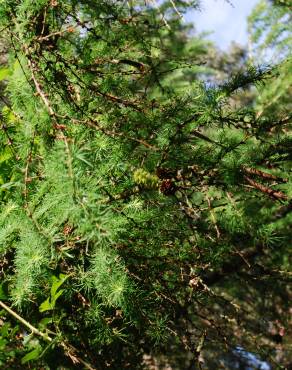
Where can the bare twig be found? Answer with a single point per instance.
(175, 8)
(272, 193)
(39, 89)
(262, 174)
(111, 133)
(58, 33)
(25, 323)
(213, 218)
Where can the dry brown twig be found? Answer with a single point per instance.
(264, 189)
(262, 174)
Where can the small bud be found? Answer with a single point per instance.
(71, 29)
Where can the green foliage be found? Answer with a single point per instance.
(7, 333)
(55, 293)
(32, 355)
(270, 28)
(141, 208)
(4, 73)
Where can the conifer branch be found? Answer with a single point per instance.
(53, 114)
(231, 266)
(116, 99)
(262, 174)
(9, 138)
(199, 135)
(92, 123)
(175, 8)
(272, 193)
(38, 86)
(26, 171)
(57, 33)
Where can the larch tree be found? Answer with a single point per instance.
(144, 215)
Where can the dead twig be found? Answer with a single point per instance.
(263, 175)
(272, 193)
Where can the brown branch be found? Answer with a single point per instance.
(140, 66)
(111, 133)
(272, 193)
(283, 121)
(205, 138)
(58, 33)
(116, 99)
(262, 174)
(9, 138)
(38, 87)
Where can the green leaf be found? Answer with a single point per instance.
(50, 302)
(44, 322)
(4, 73)
(46, 305)
(56, 296)
(8, 185)
(57, 282)
(5, 155)
(3, 343)
(4, 331)
(3, 296)
(33, 355)
(198, 198)
(81, 158)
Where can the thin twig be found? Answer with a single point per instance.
(95, 125)
(39, 89)
(25, 323)
(262, 174)
(58, 33)
(213, 218)
(70, 350)
(272, 193)
(175, 8)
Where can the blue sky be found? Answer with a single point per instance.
(228, 22)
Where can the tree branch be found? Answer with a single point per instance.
(272, 193)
